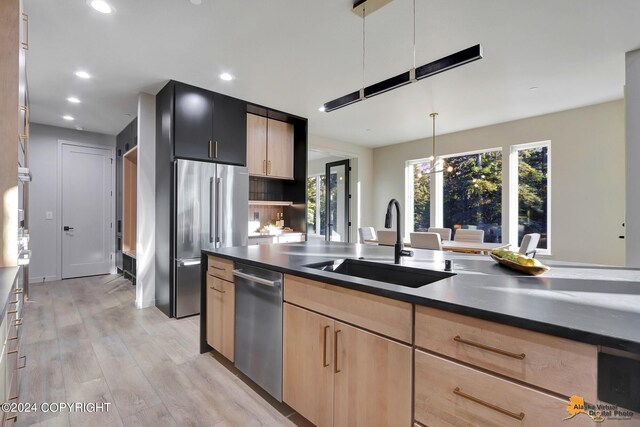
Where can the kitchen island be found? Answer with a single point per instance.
(561, 333)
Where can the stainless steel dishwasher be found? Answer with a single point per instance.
(258, 336)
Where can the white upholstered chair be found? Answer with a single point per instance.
(366, 233)
(387, 237)
(426, 241)
(445, 233)
(471, 236)
(529, 244)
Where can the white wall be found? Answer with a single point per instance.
(361, 177)
(315, 167)
(146, 202)
(45, 236)
(587, 175)
(632, 232)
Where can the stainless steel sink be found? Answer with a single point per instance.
(387, 273)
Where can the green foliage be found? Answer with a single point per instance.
(472, 193)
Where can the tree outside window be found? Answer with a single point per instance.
(472, 193)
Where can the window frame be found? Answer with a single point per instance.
(439, 185)
(409, 195)
(514, 165)
(317, 209)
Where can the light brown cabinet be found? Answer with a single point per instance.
(337, 375)
(451, 394)
(269, 147)
(307, 376)
(220, 315)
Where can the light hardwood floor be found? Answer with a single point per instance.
(86, 342)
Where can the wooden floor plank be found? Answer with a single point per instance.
(85, 341)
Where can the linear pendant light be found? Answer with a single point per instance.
(449, 62)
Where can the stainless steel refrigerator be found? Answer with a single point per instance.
(212, 211)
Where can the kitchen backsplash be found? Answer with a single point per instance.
(264, 215)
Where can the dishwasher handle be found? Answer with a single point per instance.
(260, 280)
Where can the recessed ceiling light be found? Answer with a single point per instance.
(73, 100)
(83, 74)
(534, 88)
(196, 2)
(226, 77)
(321, 109)
(101, 6)
(68, 117)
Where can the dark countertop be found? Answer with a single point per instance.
(589, 303)
(8, 276)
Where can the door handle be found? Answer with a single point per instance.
(211, 219)
(218, 211)
(336, 370)
(67, 228)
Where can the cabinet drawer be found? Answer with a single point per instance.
(220, 267)
(556, 364)
(450, 394)
(378, 314)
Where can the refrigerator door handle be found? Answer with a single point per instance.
(188, 262)
(210, 210)
(218, 212)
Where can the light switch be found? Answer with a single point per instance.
(49, 215)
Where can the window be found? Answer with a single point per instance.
(531, 184)
(472, 193)
(418, 195)
(315, 207)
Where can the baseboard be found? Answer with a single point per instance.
(40, 279)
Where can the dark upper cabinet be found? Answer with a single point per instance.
(230, 129)
(209, 126)
(193, 123)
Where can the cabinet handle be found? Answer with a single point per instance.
(18, 321)
(13, 302)
(215, 151)
(18, 291)
(268, 167)
(11, 418)
(487, 348)
(519, 416)
(264, 167)
(211, 287)
(324, 347)
(210, 149)
(24, 365)
(216, 268)
(25, 19)
(335, 352)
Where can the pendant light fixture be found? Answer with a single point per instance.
(454, 60)
(432, 168)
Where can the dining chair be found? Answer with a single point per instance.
(445, 233)
(471, 236)
(386, 237)
(366, 233)
(529, 244)
(426, 241)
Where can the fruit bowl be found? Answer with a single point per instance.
(533, 270)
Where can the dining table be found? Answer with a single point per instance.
(457, 246)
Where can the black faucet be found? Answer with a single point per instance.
(398, 247)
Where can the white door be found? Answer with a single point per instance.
(87, 234)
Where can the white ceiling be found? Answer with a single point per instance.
(296, 55)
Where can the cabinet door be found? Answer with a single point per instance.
(220, 315)
(256, 144)
(193, 123)
(307, 375)
(229, 130)
(279, 149)
(373, 379)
